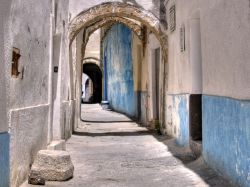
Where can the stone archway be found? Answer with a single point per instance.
(120, 10)
(132, 16)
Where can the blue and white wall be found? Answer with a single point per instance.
(177, 123)
(118, 70)
(226, 134)
(225, 45)
(226, 98)
(28, 100)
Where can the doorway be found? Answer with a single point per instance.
(157, 81)
(93, 71)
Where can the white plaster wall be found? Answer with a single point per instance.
(63, 79)
(32, 38)
(28, 135)
(225, 46)
(68, 120)
(180, 70)
(4, 13)
(174, 125)
(27, 97)
(57, 120)
(225, 27)
(93, 46)
(78, 74)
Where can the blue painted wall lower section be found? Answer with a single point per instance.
(119, 72)
(226, 137)
(180, 106)
(4, 159)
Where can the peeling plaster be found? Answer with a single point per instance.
(117, 49)
(226, 137)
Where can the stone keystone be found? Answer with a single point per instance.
(53, 165)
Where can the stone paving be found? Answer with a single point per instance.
(126, 155)
(94, 113)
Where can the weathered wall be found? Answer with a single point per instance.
(140, 74)
(152, 74)
(28, 136)
(4, 135)
(62, 80)
(93, 46)
(28, 94)
(226, 74)
(226, 137)
(181, 79)
(180, 72)
(118, 58)
(4, 159)
(225, 29)
(224, 57)
(78, 72)
(177, 124)
(225, 44)
(225, 48)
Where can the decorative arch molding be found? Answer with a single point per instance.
(122, 10)
(134, 26)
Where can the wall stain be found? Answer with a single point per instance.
(226, 137)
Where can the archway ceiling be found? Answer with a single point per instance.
(135, 26)
(117, 9)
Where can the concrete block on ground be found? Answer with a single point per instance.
(57, 145)
(53, 165)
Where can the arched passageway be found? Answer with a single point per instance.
(138, 20)
(95, 74)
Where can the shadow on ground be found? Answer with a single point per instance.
(185, 155)
(198, 165)
(110, 128)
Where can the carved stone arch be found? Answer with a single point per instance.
(117, 9)
(135, 27)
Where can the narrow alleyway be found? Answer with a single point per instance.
(124, 154)
(179, 68)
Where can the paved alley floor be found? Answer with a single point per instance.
(94, 113)
(126, 155)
